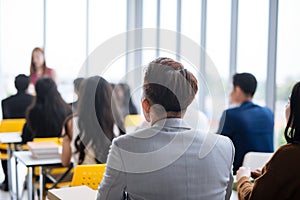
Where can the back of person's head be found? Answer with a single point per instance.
(292, 130)
(46, 90)
(77, 82)
(97, 114)
(247, 82)
(21, 82)
(49, 110)
(169, 84)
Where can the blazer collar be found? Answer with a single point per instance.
(172, 123)
(247, 103)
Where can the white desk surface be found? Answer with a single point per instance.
(234, 195)
(26, 158)
(70, 193)
(10, 137)
(84, 192)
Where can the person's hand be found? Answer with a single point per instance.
(243, 171)
(256, 173)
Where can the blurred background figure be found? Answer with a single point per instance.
(124, 100)
(46, 116)
(77, 82)
(15, 106)
(38, 67)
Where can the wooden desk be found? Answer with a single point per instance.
(11, 138)
(26, 158)
(70, 193)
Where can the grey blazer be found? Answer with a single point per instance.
(169, 161)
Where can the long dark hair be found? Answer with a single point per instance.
(292, 130)
(48, 111)
(97, 114)
(32, 65)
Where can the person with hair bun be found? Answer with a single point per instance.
(280, 177)
(168, 160)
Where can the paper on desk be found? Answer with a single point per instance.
(10, 137)
(71, 193)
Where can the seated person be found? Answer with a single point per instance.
(249, 126)
(15, 106)
(169, 160)
(124, 100)
(87, 137)
(45, 117)
(279, 178)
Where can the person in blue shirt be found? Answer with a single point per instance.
(249, 126)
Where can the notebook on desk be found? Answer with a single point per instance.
(43, 149)
(70, 193)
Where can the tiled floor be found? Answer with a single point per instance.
(22, 171)
(5, 195)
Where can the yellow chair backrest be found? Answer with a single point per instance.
(89, 175)
(12, 125)
(132, 121)
(57, 140)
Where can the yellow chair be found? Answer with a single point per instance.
(132, 122)
(89, 175)
(58, 176)
(57, 140)
(10, 125)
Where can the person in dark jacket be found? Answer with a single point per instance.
(15, 106)
(249, 126)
